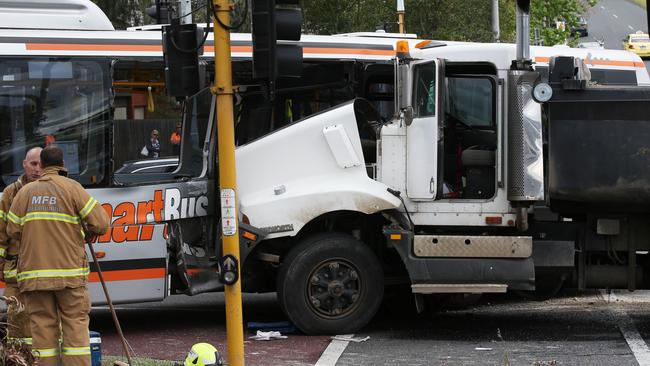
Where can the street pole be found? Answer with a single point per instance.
(400, 15)
(185, 11)
(495, 21)
(227, 177)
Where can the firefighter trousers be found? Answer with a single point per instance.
(71, 306)
(18, 327)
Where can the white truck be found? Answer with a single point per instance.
(492, 176)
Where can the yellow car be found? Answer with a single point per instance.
(638, 43)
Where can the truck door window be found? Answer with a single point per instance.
(424, 90)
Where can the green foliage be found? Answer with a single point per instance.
(547, 14)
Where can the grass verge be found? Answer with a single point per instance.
(138, 361)
(641, 3)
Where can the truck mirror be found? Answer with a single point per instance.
(408, 115)
(403, 87)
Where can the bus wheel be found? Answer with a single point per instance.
(330, 284)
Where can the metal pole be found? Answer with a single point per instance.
(185, 11)
(400, 15)
(227, 176)
(495, 21)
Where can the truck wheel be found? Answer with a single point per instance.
(330, 284)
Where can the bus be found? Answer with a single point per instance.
(98, 93)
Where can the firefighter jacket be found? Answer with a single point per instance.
(48, 217)
(8, 248)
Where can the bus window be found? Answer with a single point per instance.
(141, 106)
(55, 101)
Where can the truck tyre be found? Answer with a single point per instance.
(330, 284)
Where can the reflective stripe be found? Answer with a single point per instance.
(10, 273)
(14, 218)
(3, 252)
(76, 351)
(24, 340)
(45, 352)
(50, 216)
(92, 202)
(3, 216)
(49, 273)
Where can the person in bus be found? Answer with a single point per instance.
(18, 322)
(151, 148)
(175, 139)
(47, 219)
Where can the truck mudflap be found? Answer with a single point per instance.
(516, 273)
(598, 145)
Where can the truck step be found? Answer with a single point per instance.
(476, 288)
(466, 246)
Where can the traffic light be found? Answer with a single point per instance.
(159, 11)
(181, 48)
(276, 20)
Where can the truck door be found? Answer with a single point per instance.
(423, 137)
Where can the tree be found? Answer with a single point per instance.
(556, 18)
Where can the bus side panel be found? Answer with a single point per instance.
(134, 251)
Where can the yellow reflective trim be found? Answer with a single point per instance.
(3, 216)
(3, 252)
(10, 274)
(14, 218)
(50, 216)
(76, 351)
(24, 340)
(50, 273)
(92, 202)
(45, 352)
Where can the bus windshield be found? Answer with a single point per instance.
(58, 101)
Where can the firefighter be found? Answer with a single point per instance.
(50, 218)
(17, 322)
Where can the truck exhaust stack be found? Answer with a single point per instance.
(523, 36)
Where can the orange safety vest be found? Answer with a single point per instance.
(175, 138)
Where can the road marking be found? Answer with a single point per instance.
(634, 340)
(602, 7)
(333, 351)
(629, 26)
(615, 16)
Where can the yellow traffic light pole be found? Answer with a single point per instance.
(227, 176)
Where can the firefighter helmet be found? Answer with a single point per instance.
(203, 354)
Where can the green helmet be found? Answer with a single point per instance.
(203, 354)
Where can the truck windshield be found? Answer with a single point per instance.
(47, 101)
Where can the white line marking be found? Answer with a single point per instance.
(631, 28)
(333, 351)
(634, 340)
(615, 16)
(602, 7)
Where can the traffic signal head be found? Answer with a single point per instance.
(274, 21)
(159, 11)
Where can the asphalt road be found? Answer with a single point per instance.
(613, 20)
(573, 329)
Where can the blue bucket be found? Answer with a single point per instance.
(95, 348)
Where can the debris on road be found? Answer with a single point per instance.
(282, 327)
(267, 336)
(351, 339)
